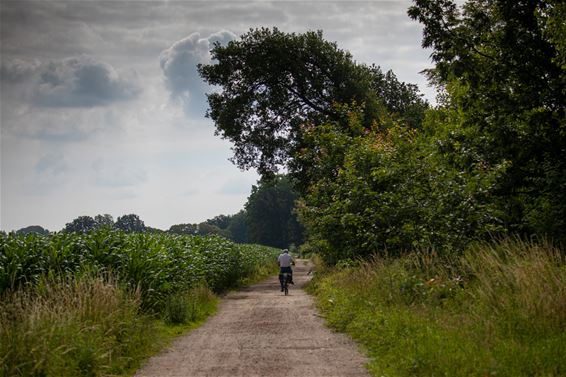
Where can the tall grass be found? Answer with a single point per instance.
(73, 327)
(100, 303)
(189, 306)
(525, 284)
(498, 310)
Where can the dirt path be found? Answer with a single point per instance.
(260, 332)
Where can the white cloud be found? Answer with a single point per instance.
(82, 81)
(179, 62)
(179, 66)
(222, 37)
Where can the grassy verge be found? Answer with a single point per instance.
(84, 323)
(87, 327)
(498, 311)
(65, 328)
(259, 274)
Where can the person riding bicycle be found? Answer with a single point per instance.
(285, 261)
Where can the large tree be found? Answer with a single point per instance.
(238, 227)
(273, 85)
(271, 219)
(502, 65)
(130, 223)
(104, 221)
(33, 229)
(191, 229)
(81, 224)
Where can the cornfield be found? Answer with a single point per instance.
(157, 265)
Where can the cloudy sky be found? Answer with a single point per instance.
(102, 110)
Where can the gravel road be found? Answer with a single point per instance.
(260, 332)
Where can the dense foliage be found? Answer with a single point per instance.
(270, 215)
(81, 224)
(502, 66)
(156, 264)
(392, 193)
(126, 223)
(130, 223)
(274, 83)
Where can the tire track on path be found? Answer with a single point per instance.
(260, 332)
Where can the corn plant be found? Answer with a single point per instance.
(157, 265)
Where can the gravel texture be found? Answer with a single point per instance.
(260, 332)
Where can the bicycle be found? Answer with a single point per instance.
(284, 279)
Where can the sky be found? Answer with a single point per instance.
(102, 110)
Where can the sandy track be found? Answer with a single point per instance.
(260, 332)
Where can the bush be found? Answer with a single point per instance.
(391, 189)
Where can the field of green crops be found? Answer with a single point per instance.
(100, 303)
(156, 264)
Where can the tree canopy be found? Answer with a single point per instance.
(183, 229)
(238, 227)
(32, 229)
(84, 224)
(270, 215)
(105, 220)
(81, 224)
(130, 223)
(502, 66)
(274, 84)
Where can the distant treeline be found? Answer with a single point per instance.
(267, 219)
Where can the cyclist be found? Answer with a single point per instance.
(285, 261)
